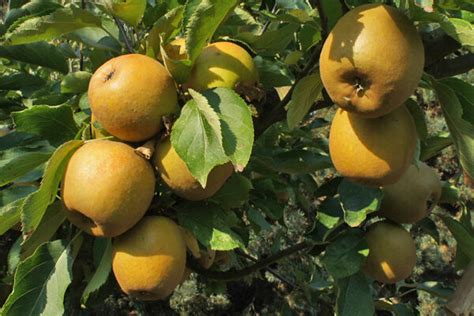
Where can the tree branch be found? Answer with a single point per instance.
(124, 35)
(268, 269)
(451, 67)
(235, 274)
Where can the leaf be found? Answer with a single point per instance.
(206, 16)
(47, 121)
(354, 296)
(449, 193)
(95, 37)
(333, 10)
(346, 255)
(164, 28)
(271, 42)
(257, 218)
(197, 137)
(419, 117)
(330, 213)
(236, 124)
(211, 225)
(464, 238)
(41, 281)
(10, 215)
(21, 164)
(19, 81)
(462, 31)
(234, 193)
(306, 92)
(40, 54)
(357, 201)
(101, 274)
(462, 131)
(300, 161)
(51, 221)
(20, 155)
(131, 11)
(429, 227)
(273, 73)
(36, 204)
(76, 82)
(50, 26)
(431, 146)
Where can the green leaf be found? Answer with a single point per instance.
(131, 11)
(449, 193)
(307, 91)
(234, 193)
(53, 123)
(164, 28)
(36, 204)
(429, 227)
(273, 73)
(271, 42)
(14, 256)
(50, 26)
(433, 145)
(19, 154)
(462, 130)
(333, 11)
(19, 81)
(236, 124)
(419, 117)
(197, 137)
(51, 221)
(330, 213)
(10, 215)
(95, 37)
(346, 255)
(41, 281)
(40, 54)
(19, 162)
(76, 82)
(464, 238)
(354, 296)
(257, 218)
(462, 31)
(357, 201)
(300, 161)
(101, 274)
(203, 21)
(211, 225)
(308, 36)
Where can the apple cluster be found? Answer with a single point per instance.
(108, 187)
(370, 64)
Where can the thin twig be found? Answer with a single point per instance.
(81, 59)
(268, 269)
(323, 18)
(235, 274)
(124, 34)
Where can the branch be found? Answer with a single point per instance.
(323, 17)
(452, 67)
(124, 34)
(268, 269)
(235, 274)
